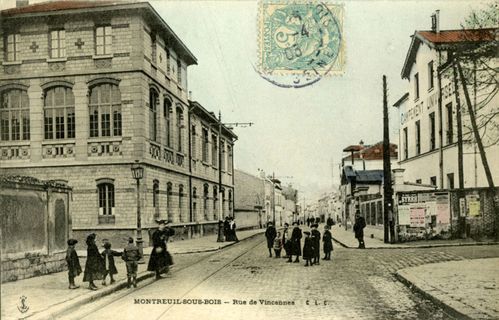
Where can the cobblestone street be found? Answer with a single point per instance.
(357, 284)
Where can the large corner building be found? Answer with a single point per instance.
(89, 88)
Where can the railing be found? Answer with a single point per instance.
(58, 150)
(104, 148)
(16, 152)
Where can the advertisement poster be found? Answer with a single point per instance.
(404, 215)
(442, 209)
(417, 217)
(473, 203)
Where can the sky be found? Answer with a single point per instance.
(299, 134)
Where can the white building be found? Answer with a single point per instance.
(428, 129)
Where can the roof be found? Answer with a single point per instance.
(355, 147)
(373, 152)
(50, 6)
(402, 99)
(363, 176)
(199, 110)
(444, 40)
(60, 7)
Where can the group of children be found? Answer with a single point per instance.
(311, 246)
(100, 265)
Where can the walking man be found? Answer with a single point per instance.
(358, 228)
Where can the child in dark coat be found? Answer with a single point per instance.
(328, 242)
(278, 245)
(131, 254)
(108, 254)
(74, 268)
(308, 249)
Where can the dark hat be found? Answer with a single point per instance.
(130, 240)
(296, 222)
(269, 223)
(72, 242)
(163, 221)
(91, 236)
(307, 233)
(286, 224)
(107, 245)
(315, 225)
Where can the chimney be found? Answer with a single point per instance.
(435, 21)
(22, 3)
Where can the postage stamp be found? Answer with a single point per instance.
(300, 42)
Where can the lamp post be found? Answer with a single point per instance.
(138, 174)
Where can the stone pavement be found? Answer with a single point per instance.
(356, 284)
(49, 294)
(468, 289)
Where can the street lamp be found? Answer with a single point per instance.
(138, 174)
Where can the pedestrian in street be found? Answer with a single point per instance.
(232, 228)
(330, 222)
(296, 236)
(278, 245)
(110, 267)
(327, 239)
(74, 268)
(160, 259)
(358, 228)
(131, 254)
(94, 266)
(226, 228)
(270, 234)
(286, 242)
(308, 222)
(308, 249)
(317, 220)
(316, 237)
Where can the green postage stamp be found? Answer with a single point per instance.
(302, 41)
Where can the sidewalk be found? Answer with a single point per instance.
(467, 289)
(48, 295)
(347, 239)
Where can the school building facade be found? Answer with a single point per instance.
(89, 88)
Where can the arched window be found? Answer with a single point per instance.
(14, 115)
(180, 126)
(205, 200)
(106, 198)
(181, 202)
(105, 111)
(59, 113)
(215, 203)
(169, 193)
(194, 204)
(193, 142)
(167, 111)
(153, 119)
(230, 202)
(155, 197)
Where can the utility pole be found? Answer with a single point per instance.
(388, 224)
(220, 237)
(459, 131)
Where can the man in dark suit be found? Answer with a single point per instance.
(358, 228)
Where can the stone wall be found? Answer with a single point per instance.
(35, 226)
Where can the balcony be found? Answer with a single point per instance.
(58, 150)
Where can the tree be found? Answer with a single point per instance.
(474, 62)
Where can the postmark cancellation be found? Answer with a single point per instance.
(300, 39)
